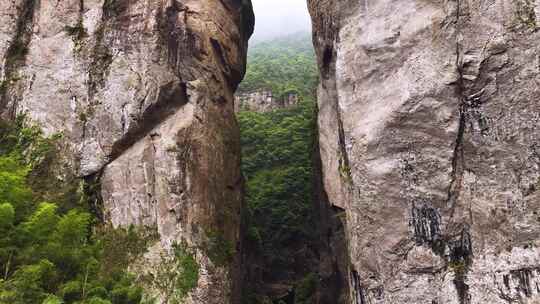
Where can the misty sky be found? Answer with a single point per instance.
(279, 17)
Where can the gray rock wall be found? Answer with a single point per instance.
(142, 91)
(429, 129)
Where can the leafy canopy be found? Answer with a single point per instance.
(48, 254)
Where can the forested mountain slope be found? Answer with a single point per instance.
(282, 65)
(277, 151)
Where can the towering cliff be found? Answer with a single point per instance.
(429, 130)
(142, 93)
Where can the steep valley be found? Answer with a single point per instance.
(277, 138)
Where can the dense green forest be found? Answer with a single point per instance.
(283, 65)
(277, 164)
(48, 253)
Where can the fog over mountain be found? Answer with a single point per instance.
(275, 18)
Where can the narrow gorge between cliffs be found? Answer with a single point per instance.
(293, 238)
(277, 115)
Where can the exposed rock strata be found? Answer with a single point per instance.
(429, 129)
(143, 93)
(263, 101)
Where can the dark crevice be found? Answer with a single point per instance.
(460, 250)
(341, 284)
(171, 97)
(344, 164)
(231, 75)
(101, 55)
(458, 156)
(327, 60)
(457, 162)
(99, 69)
(92, 192)
(334, 262)
(110, 35)
(16, 53)
(218, 50)
(462, 288)
(454, 188)
(170, 33)
(178, 43)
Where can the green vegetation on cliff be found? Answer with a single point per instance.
(48, 253)
(277, 164)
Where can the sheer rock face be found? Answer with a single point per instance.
(429, 138)
(142, 91)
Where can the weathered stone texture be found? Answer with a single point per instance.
(263, 101)
(429, 128)
(143, 93)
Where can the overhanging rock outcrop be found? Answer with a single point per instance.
(142, 92)
(429, 124)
